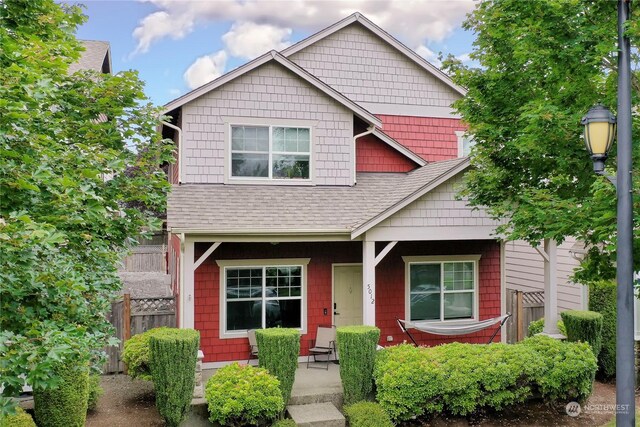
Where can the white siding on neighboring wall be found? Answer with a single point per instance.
(525, 272)
(268, 92)
(366, 69)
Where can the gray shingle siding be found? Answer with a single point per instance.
(366, 69)
(268, 92)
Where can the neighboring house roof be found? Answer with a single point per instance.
(294, 68)
(357, 17)
(96, 57)
(218, 208)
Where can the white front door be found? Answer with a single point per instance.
(347, 295)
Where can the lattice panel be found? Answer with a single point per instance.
(533, 298)
(141, 306)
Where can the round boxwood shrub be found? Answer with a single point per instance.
(95, 391)
(584, 326)
(136, 354)
(537, 326)
(19, 419)
(66, 404)
(357, 350)
(174, 353)
(602, 299)
(243, 395)
(367, 414)
(279, 350)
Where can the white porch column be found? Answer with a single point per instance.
(551, 288)
(368, 282)
(187, 296)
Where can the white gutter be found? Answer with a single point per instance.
(369, 131)
(179, 132)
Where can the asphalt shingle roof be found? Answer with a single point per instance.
(236, 207)
(92, 58)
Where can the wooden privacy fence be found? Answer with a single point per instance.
(525, 307)
(131, 316)
(146, 258)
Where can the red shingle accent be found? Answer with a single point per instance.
(373, 155)
(431, 138)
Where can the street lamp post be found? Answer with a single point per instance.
(599, 127)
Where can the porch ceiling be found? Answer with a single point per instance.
(238, 208)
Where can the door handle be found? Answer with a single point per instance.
(336, 313)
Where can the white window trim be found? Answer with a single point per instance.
(258, 263)
(270, 180)
(409, 260)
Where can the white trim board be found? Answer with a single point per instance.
(411, 110)
(357, 17)
(294, 68)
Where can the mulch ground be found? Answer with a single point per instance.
(128, 403)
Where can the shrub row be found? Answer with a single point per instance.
(463, 378)
(279, 349)
(95, 391)
(243, 395)
(19, 419)
(367, 414)
(173, 357)
(357, 350)
(602, 299)
(537, 326)
(584, 326)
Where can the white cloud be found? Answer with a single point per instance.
(205, 69)
(464, 57)
(414, 21)
(429, 55)
(174, 92)
(249, 40)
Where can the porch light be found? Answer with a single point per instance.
(599, 130)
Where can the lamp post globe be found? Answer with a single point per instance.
(599, 130)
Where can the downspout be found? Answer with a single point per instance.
(179, 132)
(369, 131)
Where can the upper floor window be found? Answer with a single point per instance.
(465, 143)
(270, 152)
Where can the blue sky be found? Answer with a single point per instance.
(179, 45)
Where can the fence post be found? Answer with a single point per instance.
(126, 321)
(519, 317)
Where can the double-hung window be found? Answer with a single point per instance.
(270, 152)
(442, 290)
(262, 297)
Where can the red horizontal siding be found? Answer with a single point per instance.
(373, 155)
(431, 138)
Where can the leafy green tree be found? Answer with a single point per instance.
(541, 65)
(80, 178)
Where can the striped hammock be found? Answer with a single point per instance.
(460, 328)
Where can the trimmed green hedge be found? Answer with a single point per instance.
(95, 391)
(243, 395)
(279, 350)
(174, 353)
(286, 422)
(65, 405)
(136, 354)
(537, 326)
(357, 350)
(584, 326)
(19, 419)
(367, 414)
(462, 378)
(602, 299)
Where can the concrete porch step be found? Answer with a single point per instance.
(316, 415)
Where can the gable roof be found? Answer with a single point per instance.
(361, 19)
(222, 209)
(294, 68)
(96, 57)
